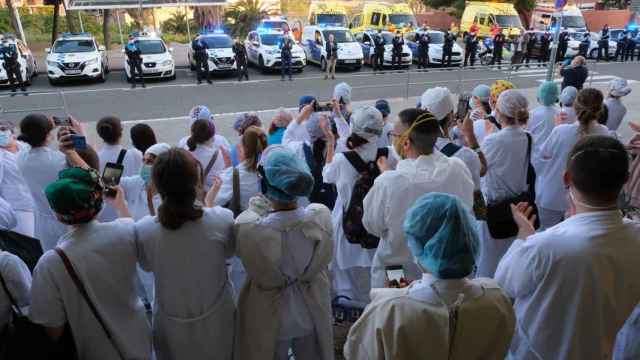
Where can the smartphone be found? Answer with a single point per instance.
(395, 272)
(326, 107)
(79, 142)
(463, 106)
(61, 122)
(111, 177)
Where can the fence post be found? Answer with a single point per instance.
(408, 81)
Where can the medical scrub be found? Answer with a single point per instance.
(17, 277)
(617, 111)
(541, 123)
(275, 138)
(204, 153)
(15, 191)
(468, 156)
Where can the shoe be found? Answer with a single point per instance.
(133, 86)
(326, 77)
(199, 82)
(209, 82)
(144, 86)
(23, 89)
(14, 90)
(333, 77)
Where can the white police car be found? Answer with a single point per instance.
(435, 47)
(273, 23)
(575, 39)
(368, 48)
(157, 58)
(314, 42)
(220, 51)
(28, 66)
(76, 56)
(263, 50)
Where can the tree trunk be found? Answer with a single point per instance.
(54, 28)
(106, 20)
(14, 20)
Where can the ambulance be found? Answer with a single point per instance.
(383, 16)
(328, 13)
(488, 14)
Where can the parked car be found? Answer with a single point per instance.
(366, 42)
(219, 50)
(263, 50)
(577, 37)
(28, 66)
(76, 56)
(314, 41)
(157, 58)
(435, 47)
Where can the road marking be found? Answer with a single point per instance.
(601, 78)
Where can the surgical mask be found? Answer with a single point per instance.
(5, 138)
(145, 173)
(590, 207)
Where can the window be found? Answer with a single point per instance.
(490, 20)
(318, 38)
(73, 46)
(218, 42)
(340, 36)
(357, 20)
(475, 19)
(384, 20)
(375, 18)
(410, 36)
(509, 21)
(483, 19)
(271, 39)
(151, 47)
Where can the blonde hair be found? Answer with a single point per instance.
(254, 142)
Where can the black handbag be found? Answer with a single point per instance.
(26, 248)
(499, 217)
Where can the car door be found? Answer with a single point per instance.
(318, 44)
(26, 54)
(252, 47)
(410, 41)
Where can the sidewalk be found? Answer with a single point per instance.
(174, 129)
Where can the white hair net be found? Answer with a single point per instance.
(367, 123)
(511, 102)
(342, 92)
(313, 126)
(438, 102)
(619, 87)
(158, 149)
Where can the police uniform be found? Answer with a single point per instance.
(498, 46)
(563, 45)
(396, 55)
(447, 49)
(201, 57)
(423, 50)
(9, 54)
(285, 55)
(240, 54)
(603, 44)
(378, 54)
(135, 63)
(471, 48)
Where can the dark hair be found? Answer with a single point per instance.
(318, 146)
(90, 156)
(599, 167)
(355, 140)
(109, 129)
(424, 136)
(176, 176)
(34, 129)
(201, 131)
(486, 106)
(142, 137)
(589, 107)
(254, 141)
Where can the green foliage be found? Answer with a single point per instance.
(177, 24)
(244, 16)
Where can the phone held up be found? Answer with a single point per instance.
(61, 122)
(463, 106)
(395, 276)
(111, 178)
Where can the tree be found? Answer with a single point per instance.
(14, 19)
(106, 34)
(245, 15)
(177, 24)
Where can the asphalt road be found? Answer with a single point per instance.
(173, 99)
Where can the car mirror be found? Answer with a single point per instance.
(47, 50)
(102, 48)
(171, 50)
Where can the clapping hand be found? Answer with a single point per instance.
(212, 194)
(525, 219)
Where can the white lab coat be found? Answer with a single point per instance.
(415, 323)
(135, 192)
(194, 313)
(394, 192)
(249, 186)
(348, 256)
(616, 113)
(15, 191)
(627, 344)
(39, 168)
(132, 159)
(385, 140)
(104, 257)
(574, 286)
(287, 293)
(218, 141)
(541, 123)
(7, 216)
(468, 156)
(17, 277)
(204, 153)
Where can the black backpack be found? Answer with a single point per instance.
(352, 226)
(322, 192)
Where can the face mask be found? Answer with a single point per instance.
(145, 173)
(5, 138)
(590, 207)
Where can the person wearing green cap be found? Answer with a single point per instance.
(542, 120)
(286, 251)
(104, 257)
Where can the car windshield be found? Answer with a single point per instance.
(388, 38)
(271, 39)
(437, 38)
(333, 19)
(402, 19)
(218, 42)
(148, 47)
(341, 36)
(577, 36)
(573, 22)
(73, 46)
(508, 21)
(273, 25)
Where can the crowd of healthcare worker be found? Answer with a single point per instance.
(337, 231)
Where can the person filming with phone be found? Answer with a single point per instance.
(441, 234)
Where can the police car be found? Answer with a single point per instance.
(28, 66)
(575, 39)
(220, 51)
(76, 56)
(435, 47)
(314, 42)
(368, 48)
(274, 23)
(263, 50)
(157, 58)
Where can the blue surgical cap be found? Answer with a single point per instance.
(383, 107)
(305, 100)
(442, 236)
(548, 93)
(287, 177)
(342, 92)
(313, 127)
(482, 92)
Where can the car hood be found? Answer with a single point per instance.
(295, 49)
(350, 48)
(438, 47)
(222, 52)
(156, 57)
(389, 47)
(72, 57)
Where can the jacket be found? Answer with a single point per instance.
(574, 76)
(379, 43)
(332, 50)
(240, 53)
(423, 42)
(199, 49)
(9, 55)
(398, 43)
(285, 48)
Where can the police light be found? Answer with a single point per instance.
(74, 34)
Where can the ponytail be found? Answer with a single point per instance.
(522, 117)
(201, 132)
(355, 141)
(254, 142)
(589, 108)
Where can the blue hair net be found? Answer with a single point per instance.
(285, 177)
(482, 92)
(305, 100)
(313, 127)
(342, 92)
(383, 107)
(548, 93)
(441, 234)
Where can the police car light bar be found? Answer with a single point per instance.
(73, 34)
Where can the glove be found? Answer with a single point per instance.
(260, 205)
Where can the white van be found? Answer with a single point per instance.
(314, 42)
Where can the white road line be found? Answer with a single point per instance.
(601, 78)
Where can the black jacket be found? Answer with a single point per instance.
(574, 76)
(563, 41)
(449, 39)
(379, 43)
(286, 46)
(133, 54)
(332, 50)
(199, 49)
(531, 44)
(240, 53)
(398, 43)
(471, 43)
(10, 56)
(423, 42)
(498, 43)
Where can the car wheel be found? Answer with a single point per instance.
(172, 77)
(261, 66)
(323, 64)
(357, 68)
(102, 77)
(53, 82)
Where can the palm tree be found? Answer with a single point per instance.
(245, 15)
(177, 24)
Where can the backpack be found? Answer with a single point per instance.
(352, 225)
(450, 149)
(322, 192)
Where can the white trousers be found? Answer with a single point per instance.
(549, 218)
(26, 223)
(303, 348)
(354, 283)
(491, 251)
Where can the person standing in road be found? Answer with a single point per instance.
(135, 62)
(603, 43)
(584, 45)
(545, 49)
(498, 46)
(424, 39)
(563, 46)
(240, 54)
(447, 48)
(396, 55)
(201, 57)
(332, 57)
(286, 45)
(531, 44)
(378, 54)
(620, 45)
(629, 47)
(470, 49)
(9, 56)
(576, 74)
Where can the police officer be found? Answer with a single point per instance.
(583, 48)
(563, 45)
(470, 49)
(545, 49)
(240, 54)
(9, 54)
(447, 47)
(531, 40)
(498, 46)
(630, 47)
(424, 39)
(201, 57)
(603, 43)
(135, 62)
(621, 43)
(286, 46)
(396, 55)
(378, 51)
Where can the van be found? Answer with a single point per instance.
(314, 40)
(488, 14)
(382, 16)
(328, 13)
(545, 17)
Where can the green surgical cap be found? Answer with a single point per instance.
(76, 194)
(442, 236)
(287, 177)
(548, 93)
